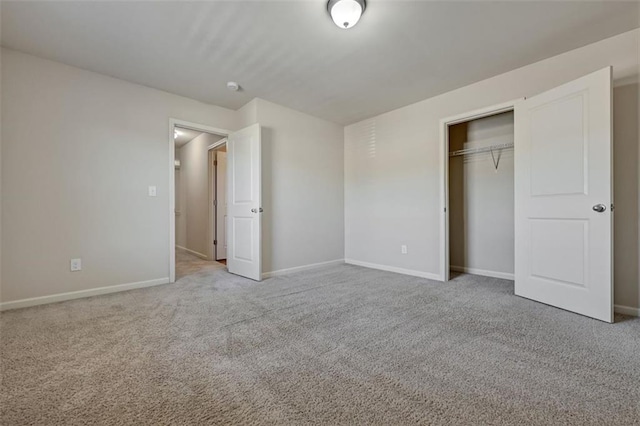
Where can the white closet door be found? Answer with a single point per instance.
(244, 198)
(563, 197)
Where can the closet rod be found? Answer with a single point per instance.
(480, 150)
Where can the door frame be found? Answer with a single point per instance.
(212, 229)
(173, 122)
(445, 123)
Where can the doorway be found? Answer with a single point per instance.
(243, 229)
(199, 184)
(481, 196)
(193, 192)
(472, 144)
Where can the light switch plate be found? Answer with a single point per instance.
(152, 191)
(403, 249)
(76, 265)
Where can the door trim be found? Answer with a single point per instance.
(212, 229)
(217, 144)
(173, 122)
(444, 173)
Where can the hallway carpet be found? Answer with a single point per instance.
(188, 264)
(335, 346)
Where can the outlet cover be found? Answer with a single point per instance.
(403, 249)
(76, 265)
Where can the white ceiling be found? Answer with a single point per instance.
(291, 53)
(185, 136)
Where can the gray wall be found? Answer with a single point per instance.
(192, 228)
(180, 205)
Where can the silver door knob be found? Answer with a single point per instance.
(599, 208)
(257, 210)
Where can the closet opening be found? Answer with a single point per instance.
(479, 195)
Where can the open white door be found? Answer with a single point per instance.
(244, 199)
(563, 197)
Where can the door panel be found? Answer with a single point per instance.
(569, 237)
(562, 169)
(243, 238)
(244, 203)
(560, 123)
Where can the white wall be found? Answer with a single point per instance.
(180, 204)
(248, 113)
(481, 197)
(194, 181)
(392, 169)
(303, 187)
(79, 151)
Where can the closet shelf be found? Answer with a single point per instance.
(481, 150)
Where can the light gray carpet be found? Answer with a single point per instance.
(189, 264)
(338, 345)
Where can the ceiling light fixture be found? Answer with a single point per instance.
(346, 13)
(233, 86)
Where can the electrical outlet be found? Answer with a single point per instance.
(76, 265)
(153, 191)
(403, 249)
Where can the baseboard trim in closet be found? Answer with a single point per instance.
(484, 273)
(627, 310)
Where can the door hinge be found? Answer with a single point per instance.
(215, 202)
(612, 207)
(215, 162)
(215, 242)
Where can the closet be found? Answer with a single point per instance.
(532, 201)
(481, 196)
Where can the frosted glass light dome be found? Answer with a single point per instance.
(346, 13)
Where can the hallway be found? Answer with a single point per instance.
(189, 264)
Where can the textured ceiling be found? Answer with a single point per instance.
(291, 53)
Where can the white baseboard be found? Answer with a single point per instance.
(301, 268)
(627, 310)
(193, 252)
(403, 271)
(61, 297)
(484, 273)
